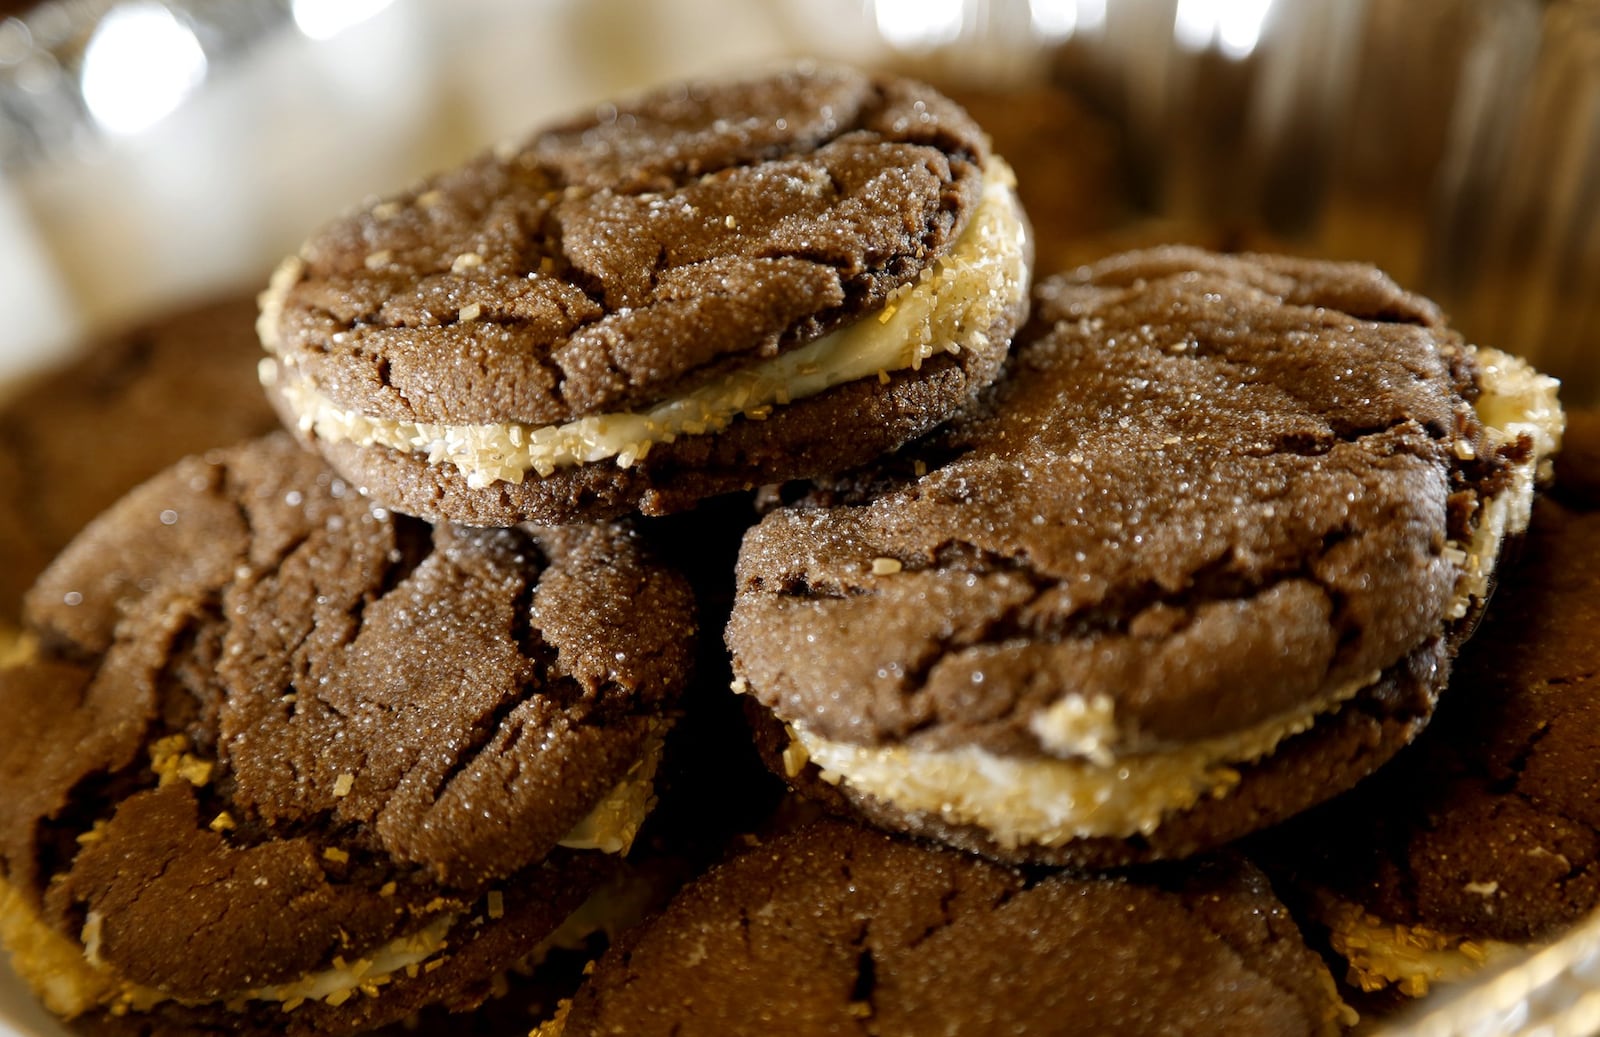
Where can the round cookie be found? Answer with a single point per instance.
(287, 762)
(837, 929)
(1487, 832)
(76, 438)
(1191, 567)
(694, 291)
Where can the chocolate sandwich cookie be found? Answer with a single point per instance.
(75, 439)
(1485, 835)
(283, 761)
(1192, 566)
(697, 290)
(838, 929)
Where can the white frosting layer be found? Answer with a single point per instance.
(1044, 801)
(950, 308)
(1087, 788)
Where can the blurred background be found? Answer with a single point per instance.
(153, 150)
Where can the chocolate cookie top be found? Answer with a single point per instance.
(836, 929)
(75, 439)
(270, 723)
(614, 259)
(1490, 826)
(1210, 491)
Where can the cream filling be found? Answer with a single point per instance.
(950, 308)
(1087, 788)
(1047, 801)
(1411, 958)
(611, 826)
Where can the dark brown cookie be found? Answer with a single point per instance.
(78, 437)
(691, 292)
(1489, 828)
(1187, 570)
(279, 748)
(836, 929)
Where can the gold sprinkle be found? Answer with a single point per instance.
(860, 1009)
(433, 965)
(795, 756)
(497, 904)
(428, 199)
(293, 1003)
(343, 784)
(470, 312)
(886, 315)
(1465, 450)
(223, 822)
(379, 259)
(338, 856)
(730, 223)
(886, 566)
(386, 210)
(413, 970)
(919, 468)
(465, 261)
(883, 377)
(339, 997)
(93, 835)
(739, 686)
(387, 890)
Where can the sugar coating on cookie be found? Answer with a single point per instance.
(286, 760)
(688, 264)
(838, 929)
(1214, 501)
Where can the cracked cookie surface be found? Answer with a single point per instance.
(604, 266)
(1212, 500)
(841, 930)
(272, 732)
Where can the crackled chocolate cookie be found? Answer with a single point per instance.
(75, 439)
(697, 290)
(283, 761)
(1487, 832)
(1193, 566)
(837, 929)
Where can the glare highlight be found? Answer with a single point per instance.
(140, 64)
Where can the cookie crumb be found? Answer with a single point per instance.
(379, 259)
(386, 210)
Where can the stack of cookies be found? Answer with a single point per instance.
(1050, 594)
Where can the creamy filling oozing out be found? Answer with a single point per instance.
(1410, 958)
(70, 977)
(950, 308)
(1088, 788)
